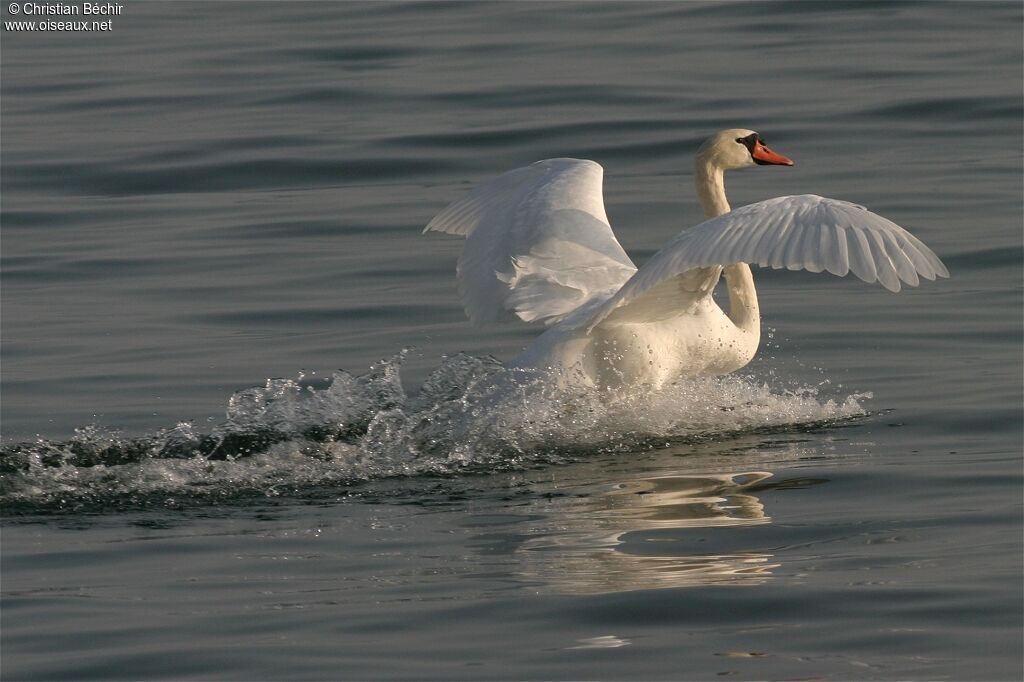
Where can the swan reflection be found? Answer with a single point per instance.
(609, 539)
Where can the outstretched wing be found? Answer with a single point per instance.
(804, 232)
(538, 243)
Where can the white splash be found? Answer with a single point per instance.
(471, 413)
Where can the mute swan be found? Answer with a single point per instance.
(539, 248)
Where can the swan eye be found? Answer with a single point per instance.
(750, 141)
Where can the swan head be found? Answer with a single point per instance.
(738, 148)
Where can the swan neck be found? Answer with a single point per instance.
(710, 181)
(744, 310)
(743, 307)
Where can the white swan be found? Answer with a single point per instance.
(539, 248)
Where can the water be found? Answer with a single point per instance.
(212, 194)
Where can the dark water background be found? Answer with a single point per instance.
(215, 193)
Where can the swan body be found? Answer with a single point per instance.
(539, 248)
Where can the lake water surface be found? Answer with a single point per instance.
(248, 433)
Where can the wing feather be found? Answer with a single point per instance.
(919, 252)
(905, 269)
(884, 266)
(833, 250)
(861, 263)
(538, 243)
(764, 236)
(735, 242)
(793, 258)
(777, 245)
(795, 232)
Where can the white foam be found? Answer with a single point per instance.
(470, 413)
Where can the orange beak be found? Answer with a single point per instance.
(766, 157)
